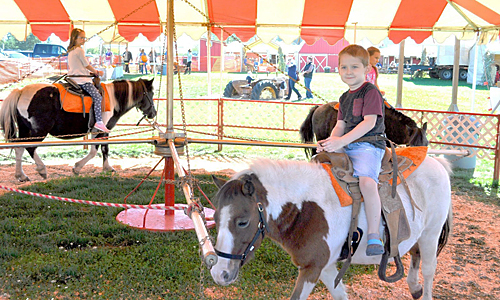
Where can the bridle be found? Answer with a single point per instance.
(150, 100)
(261, 230)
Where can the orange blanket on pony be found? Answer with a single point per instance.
(416, 154)
(73, 103)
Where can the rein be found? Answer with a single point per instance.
(261, 230)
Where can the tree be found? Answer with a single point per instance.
(11, 43)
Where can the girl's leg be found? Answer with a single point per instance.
(97, 99)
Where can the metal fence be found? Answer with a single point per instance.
(280, 121)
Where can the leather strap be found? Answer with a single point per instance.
(355, 193)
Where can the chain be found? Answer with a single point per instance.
(76, 135)
(63, 54)
(246, 138)
(212, 24)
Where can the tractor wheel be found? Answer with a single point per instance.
(264, 90)
(230, 91)
(462, 74)
(446, 74)
(433, 74)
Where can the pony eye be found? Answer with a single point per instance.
(243, 224)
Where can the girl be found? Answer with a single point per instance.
(78, 65)
(372, 75)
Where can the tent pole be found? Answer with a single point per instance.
(474, 77)
(170, 66)
(454, 90)
(209, 60)
(399, 99)
(221, 68)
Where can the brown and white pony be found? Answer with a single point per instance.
(295, 204)
(33, 112)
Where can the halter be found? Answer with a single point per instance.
(261, 230)
(145, 93)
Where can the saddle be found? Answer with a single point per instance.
(340, 169)
(75, 99)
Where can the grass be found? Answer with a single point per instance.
(70, 251)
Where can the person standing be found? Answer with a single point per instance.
(361, 114)
(127, 58)
(372, 75)
(109, 57)
(143, 60)
(292, 78)
(78, 65)
(152, 60)
(308, 74)
(188, 65)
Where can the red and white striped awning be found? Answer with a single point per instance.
(288, 19)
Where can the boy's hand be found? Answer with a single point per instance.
(330, 144)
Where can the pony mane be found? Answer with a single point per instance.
(123, 92)
(400, 117)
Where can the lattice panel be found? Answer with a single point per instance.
(464, 130)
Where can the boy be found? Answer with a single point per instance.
(361, 114)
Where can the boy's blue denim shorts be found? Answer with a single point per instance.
(366, 159)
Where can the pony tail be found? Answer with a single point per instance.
(8, 114)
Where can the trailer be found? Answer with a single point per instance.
(444, 72)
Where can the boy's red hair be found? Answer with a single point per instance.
(356, 51)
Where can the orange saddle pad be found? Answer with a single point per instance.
(416, 154)
(73, 103)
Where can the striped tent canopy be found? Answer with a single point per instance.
(288, 19)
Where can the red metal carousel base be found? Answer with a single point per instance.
(160, 220)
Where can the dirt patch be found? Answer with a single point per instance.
(467, 268)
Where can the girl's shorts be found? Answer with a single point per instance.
(366, 159)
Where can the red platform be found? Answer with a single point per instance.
(161, 220)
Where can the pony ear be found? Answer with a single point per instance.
(219, 182)
(424, 127)
(248, 188)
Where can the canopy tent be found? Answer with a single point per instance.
(288, 19)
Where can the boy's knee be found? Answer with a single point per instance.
(367, 183)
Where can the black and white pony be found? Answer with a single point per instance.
(33, 112)
(399, 128)
(295, 205)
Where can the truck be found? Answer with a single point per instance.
(42, 50)
(441, 62)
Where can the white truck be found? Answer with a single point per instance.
(441, 65)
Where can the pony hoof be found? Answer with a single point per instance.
(417, 294)
(75, 172)
(26, 179)
(44, 175)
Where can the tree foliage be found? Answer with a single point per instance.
(9, 42)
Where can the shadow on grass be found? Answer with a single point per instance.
(463, 183)
(439, 82)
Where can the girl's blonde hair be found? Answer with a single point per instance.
(356, 51)
(73, 37)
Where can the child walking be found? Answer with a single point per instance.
(372, 75)
(79, 65)
(361, 114)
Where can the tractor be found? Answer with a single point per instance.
(261, 89)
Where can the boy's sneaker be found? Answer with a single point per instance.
(100, 126)
(375, 247)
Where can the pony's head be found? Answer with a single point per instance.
(241, 225)
(418, 136)
(146, 104)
